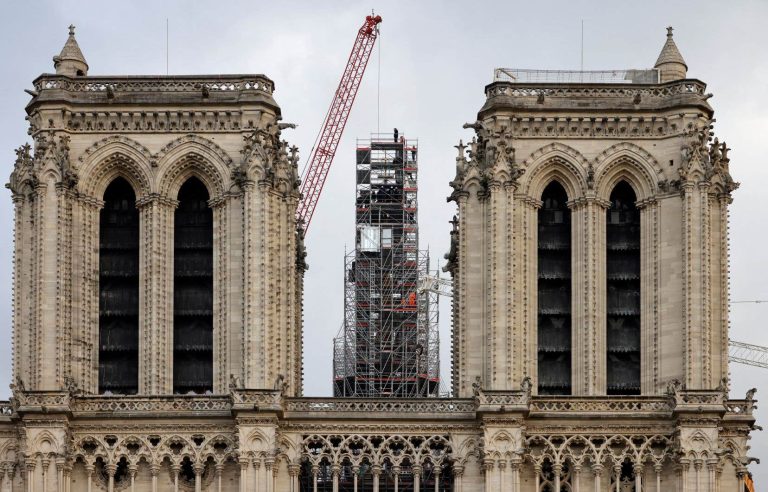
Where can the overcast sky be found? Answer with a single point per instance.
(435, 59)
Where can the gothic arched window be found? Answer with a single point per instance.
(623, 292)
(193, 290)
(554, 292)
(119, 290)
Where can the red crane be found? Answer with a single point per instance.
(328, 141)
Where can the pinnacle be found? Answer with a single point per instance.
(670, 53)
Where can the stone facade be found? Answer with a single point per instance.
(255, 431)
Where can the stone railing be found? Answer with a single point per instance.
(221, 83)
(740, 407)
(151, 404)
(390, 406)
(511, 89)
(601, 405)
(41, 400)
(6, 409)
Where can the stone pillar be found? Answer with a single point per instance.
(156, 219)
(175, 469)
(89, 469)
(46, 462)
(60, 462)
(154, 470)
(597, 472)
(657, 467)
(537, 475)
(617, 474)
(258, 483)
(416, 470)
(488, 469)
(436, 471)
(244, 464)
(502, 474)
(515, 464)
(111, 469)
(638, 469)
(335, 470)
(133, 469)
(576, 486)
(355, 471)
(558, 469)
(293, 471)
(199, 468)
(315, 470)
(270, 470)
(376, 471)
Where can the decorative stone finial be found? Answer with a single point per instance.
(670, 62)
(71, 61)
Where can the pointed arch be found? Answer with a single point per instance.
(115, 156)
(559, 162)
(628, 162)
(193, 156)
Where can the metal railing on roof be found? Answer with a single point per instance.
(525, 76)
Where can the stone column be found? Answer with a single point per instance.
(111, 469)
(219, 468)
(515, 464)
(60, 462)
(576, 486)
(436, 471)
(558, 469)
(416, 470)
(355, 471)
(376, 471)
(199, 468)
(156, 219)
(258, 483)
(175, 469)
(657, 470)
(154, 470)
(638, 469)
(488, 475)
(89, 469)
(335, 470)
(133, 469)
(315, 470)
(597, 473)
(244, 464)
(293, 471)
(270, 470)
(30, 464)
(617, 474)
(502, 474)
(537, 476)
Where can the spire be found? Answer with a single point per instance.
(670, 62)
(71, 61)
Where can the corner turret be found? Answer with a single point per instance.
(71, 61)
(670, 62)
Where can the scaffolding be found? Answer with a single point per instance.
(388, 344)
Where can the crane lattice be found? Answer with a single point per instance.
(330, 133)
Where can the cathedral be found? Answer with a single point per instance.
(158, 278)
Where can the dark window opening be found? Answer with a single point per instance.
(193, 291)
(554, 293)
(623, 292)
(431, 478)
(119, 290)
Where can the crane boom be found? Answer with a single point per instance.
(328, 141)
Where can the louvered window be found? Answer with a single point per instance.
(554, 293)
(119, 290)
(623, 292)
(193, 291)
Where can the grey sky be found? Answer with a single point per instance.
(436, 57)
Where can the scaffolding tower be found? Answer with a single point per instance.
(388, 344)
